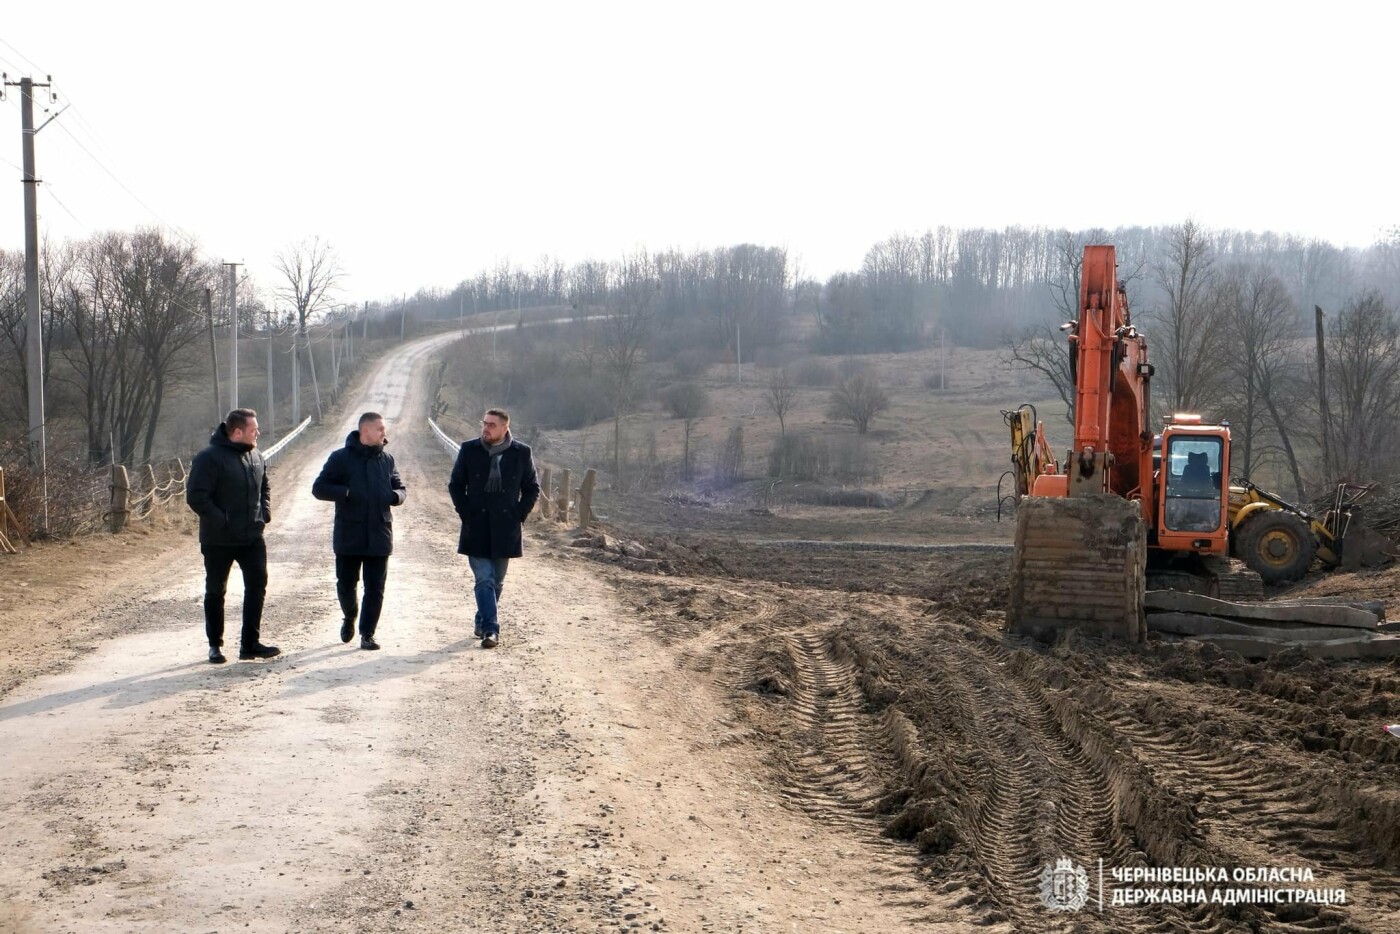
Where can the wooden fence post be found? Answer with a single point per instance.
(121, 495)
(151, 488)
(546, 491)
(565, 489)
(585, 498)
(6, 517)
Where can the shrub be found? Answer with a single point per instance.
(814, 371)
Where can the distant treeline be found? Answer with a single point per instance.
(977, 285)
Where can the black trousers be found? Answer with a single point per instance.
(347, 580)
(218, 561)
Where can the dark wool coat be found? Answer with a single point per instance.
(364, 484)
(228, 488)
(491, 521)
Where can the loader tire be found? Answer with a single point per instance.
(1278, 545)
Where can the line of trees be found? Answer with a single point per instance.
(121, 309)
(129, 321)
(1228, 315)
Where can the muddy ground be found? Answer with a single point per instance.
(699, 721)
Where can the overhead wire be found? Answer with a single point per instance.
(88, 130)
(96, 141)
(48, 190)
(23, 56)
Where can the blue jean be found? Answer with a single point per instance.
(490, 574)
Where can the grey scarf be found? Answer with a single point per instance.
(493, 480)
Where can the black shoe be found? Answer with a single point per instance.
(368, 644)
(347, 630)
(258, 650)
(215, 656)
(490, 640)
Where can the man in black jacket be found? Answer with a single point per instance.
(228, 488)
(361, 480)
(493, 487)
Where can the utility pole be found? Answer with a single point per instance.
(942, 358)
(33, 318)
(739, 351)
(296, 374)
(403, 314)
(1322, 397)
(213, 355)
(271, 409)
(233, 334)
(364, 328)
(311, 361)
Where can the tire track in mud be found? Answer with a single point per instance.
(1055, 789)
(837, 777)
(1260, 807)
(1005, 770)
(964, 756)
(993, 760)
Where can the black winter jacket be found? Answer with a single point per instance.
(491, 521)
(228, 488)
(363, 483)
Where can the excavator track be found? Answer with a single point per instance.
(1078, 563)
(1211, 576)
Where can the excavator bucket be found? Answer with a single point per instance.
(1079, 563)
(1365, 548)
(1361, 546)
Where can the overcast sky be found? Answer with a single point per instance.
(427, 141)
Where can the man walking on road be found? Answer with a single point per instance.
(362, 481)
(228, 488)
(493, 488)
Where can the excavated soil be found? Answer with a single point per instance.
(888, 699)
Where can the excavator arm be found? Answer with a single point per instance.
(1030, 452)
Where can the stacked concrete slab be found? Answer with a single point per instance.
(1350, 630)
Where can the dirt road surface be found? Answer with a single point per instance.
(684, 730)
(574, 779)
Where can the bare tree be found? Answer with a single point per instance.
(12, 330)
(1044, 350)
(688, 402)
(780, 394)
(311, 276)
(729, 463)
(1186, 335)
(1260, 322)
(98, 346)
(626, 328)
(130, 307)
(858, 398)
(1363, 374)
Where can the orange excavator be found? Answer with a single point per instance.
(1126, 497)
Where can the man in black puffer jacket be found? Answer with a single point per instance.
(362, 481)
(228, 488)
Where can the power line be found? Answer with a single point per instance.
(114, 178)
(48, 190)
(23, 56)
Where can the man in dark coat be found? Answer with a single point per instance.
(493, 487)
(361, 480)
(228, 488)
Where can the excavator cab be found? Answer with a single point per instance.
(1192, 507)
